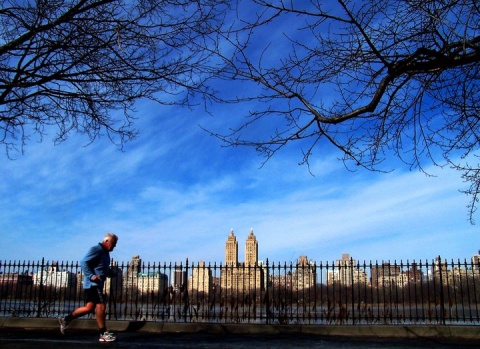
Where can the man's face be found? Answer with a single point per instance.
(110, 244)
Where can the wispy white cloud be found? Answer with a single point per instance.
(175, 194)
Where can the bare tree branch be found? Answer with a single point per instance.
(71, 64)
(371, 78)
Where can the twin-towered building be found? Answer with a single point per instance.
(251, 250)
(245, 276)
(254, 275)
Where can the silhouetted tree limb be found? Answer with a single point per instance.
(80, 65)
(368, 77)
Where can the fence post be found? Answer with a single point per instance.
(352, 291)
(40, 289)
(442, 296)
(186, 300)
(267, 297)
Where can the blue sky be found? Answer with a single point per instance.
(175, 193)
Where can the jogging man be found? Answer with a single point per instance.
(96, 267)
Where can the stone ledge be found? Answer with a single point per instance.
(353, 331)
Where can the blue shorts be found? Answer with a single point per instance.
(94, 295)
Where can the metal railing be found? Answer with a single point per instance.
(343, 292)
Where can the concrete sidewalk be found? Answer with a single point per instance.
(467, 334)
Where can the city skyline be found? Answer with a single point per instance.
(239, 292)
(232, 258)
(247, 275)
(140, 278)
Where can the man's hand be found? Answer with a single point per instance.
(96, 278)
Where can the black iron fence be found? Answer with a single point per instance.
(342, 292)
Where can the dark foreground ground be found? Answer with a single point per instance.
(18, 338)
(44, 333)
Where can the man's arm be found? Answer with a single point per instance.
(86, 263)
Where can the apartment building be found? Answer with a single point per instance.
(246, 276)
(201, 280)
(347, 272)
(143, 281)
(53, 276)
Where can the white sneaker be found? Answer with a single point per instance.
(107, 337)
(63, 324)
